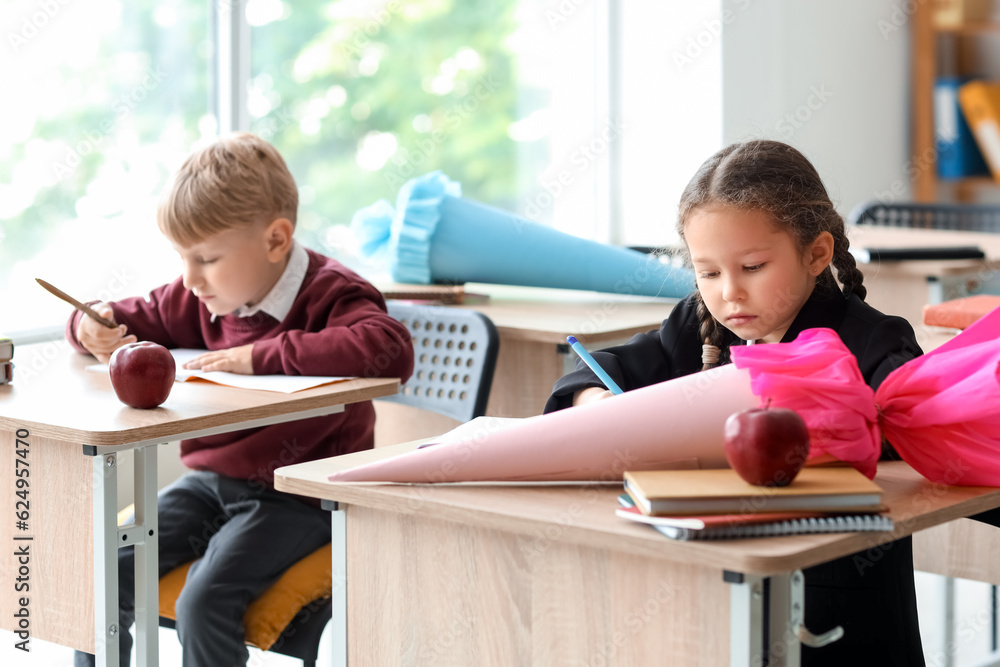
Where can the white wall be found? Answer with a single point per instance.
(830, 77)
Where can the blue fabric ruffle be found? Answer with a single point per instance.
(400, 238)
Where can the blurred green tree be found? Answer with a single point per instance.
(358, 96)
(358, 102)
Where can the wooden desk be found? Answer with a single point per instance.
(963, 548)
(532, 324)
(462, 575)
(73, 426)
(903, 288)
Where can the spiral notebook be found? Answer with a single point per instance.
(724, 527)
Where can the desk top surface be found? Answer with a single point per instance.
(873, 236)
(54, 396)
(585, 514)
(548, 315)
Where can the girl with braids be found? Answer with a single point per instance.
(771, 259)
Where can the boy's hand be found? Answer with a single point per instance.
(99, 340)
(235, 360)
(591, 394)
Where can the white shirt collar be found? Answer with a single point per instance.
(279, 300)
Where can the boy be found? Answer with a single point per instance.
(260, 303)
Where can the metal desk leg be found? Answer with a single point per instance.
(777, 633)
(338, 522)
(746, 618)
(108, 539)
(146, 533)
(787, 602)
(105, 499)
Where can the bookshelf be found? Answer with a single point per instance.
(932, 45)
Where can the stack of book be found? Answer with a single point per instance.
(6, 360)
(717, 504)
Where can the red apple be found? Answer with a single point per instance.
(766, 447)
(142, 374)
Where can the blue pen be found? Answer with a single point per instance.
(594, 366)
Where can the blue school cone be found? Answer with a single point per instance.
(434, 235)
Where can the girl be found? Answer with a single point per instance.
(761, 233)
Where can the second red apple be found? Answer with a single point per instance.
(765, 446)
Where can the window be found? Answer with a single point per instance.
(109, 97)
(362, 96)
(575, 115)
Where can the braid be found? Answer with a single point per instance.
(710, 331)
(848, 273)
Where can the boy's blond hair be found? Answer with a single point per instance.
(236, 181)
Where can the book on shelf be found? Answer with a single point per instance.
(958, 155)
(959, 313)
(980, 102)
(769, 524)
(722, 491)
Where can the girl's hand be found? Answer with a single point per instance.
(99, 340)
(235, 360)
(591, 394)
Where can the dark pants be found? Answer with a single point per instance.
(872, 596)
(246, 537)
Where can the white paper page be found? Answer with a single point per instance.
(286, 384)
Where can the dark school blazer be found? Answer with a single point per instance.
(871, 593)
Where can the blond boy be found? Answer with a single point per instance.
(260, 304)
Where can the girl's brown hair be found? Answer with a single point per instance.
(237, 180)
(773, 177)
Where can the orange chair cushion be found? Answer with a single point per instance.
(308, 580)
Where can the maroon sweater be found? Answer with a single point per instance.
(337, 326)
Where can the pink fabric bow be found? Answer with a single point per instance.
(818, 377)
(940, 411)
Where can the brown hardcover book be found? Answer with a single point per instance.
(693, 492)
(959, 313)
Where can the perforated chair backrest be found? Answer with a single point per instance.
(955, 217)
(455, 352)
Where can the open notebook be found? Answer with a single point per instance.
(286, 384)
